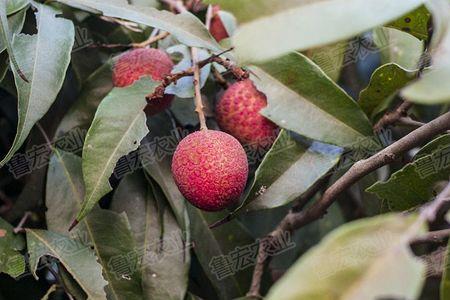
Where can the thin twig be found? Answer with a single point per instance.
(294, 220)
(19, 227)
(127, 24)
(391, 117)
(199, 108)
(149, 41)
(437, 236)
(220, 79)
(173, 78)
(437, 209)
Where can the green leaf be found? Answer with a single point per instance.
(165, 257)
(15, 24)
(6, 36)
(13, 6)
(365, 259)
(384, 84)
(445, 281)
(414, 22)
(398, 47)
(428, 90)
(329, 58)
(413, 184)
(111, 243)
(275, 27)
(118, 127)
(281, 177)
(81, 114)
(301, 98)
(77, 258)
(211, 244)
(44, 58)
(11, 261)
(185, 26)
(158, 165)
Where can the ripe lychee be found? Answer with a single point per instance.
(210, 169)
(134, 64)
(237, 113)
(217, 28)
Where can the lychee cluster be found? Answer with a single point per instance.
(134, 64)
(210, 169)
(237, 113)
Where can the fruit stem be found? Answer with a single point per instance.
(199, 108)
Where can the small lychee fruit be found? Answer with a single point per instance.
(134, 64)
(217, 28)
(237, 113)
(210, 169)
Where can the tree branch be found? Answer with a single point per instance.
(239, 73)
(199, 108)
(294, 220)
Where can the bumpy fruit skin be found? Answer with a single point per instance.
(237, 113)
(210, 169)
(134, 64)
(217, 28)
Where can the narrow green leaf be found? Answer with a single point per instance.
(288, 170)
(329, 58)
(385, 82)
(165, 265)
(185, 26)
(81, 114)
(301, 98)
(77, 258)
(365, 259)
(6, 38)
(11, 261)
(108, 232)
(158, 164)
(15, 24)
(274, 28)
(44, 59)
(13, 6)
(118, 127)
(212, 244)
(413, 184)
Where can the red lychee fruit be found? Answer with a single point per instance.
(210, 169)
(237, 113)
(134, 64)
(217, 28)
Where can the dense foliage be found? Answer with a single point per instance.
(331, 181)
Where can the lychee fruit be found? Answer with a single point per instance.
(217, 28)
(237, 113)
(210, 169)
(134, 64)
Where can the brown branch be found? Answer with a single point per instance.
(437, 209)
(199, 108)
(437, 236)
(391, 117)
(173, 78)
(149, 41)
(294, 220)
(127, 24)
(220, 79)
